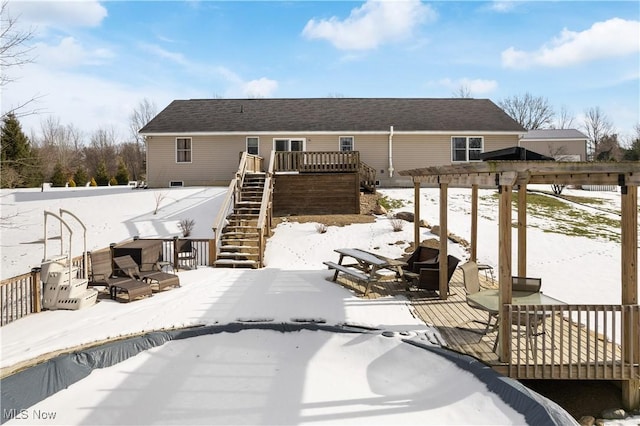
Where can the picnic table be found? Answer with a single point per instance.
(366, 267)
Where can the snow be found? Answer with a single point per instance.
(246, 378)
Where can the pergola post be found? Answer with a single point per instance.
(629, 258)
(504, 270)
(522, 230)
(474, 223)
(444, 238)
(416, 214)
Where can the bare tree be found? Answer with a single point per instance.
(59, 144)
(596, 125)
(462, 92)
(14, 53)
(102, 148)
(531, 112)
(133, 154)
(564, 119)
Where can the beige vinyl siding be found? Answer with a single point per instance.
(215, 158)
(554, 148)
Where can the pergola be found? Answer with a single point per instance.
(505, 175)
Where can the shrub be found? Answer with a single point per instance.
(93, 182)
(80, 177)
(113, 182)
(102, 177)
(71, 183)
(58, 178)
(397, 225)
(390, 203)
(321, 228)
(186, 226)
(122, 175)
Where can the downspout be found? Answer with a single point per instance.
(391, 169)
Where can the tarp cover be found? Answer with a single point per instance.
(28, 387)
(517, 153)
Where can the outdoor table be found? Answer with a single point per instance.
(146, 253)
(367, 262)
(487, 300)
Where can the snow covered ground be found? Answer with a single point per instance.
(255, 366)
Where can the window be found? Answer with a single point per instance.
(183, 150)
(346, 143)
(288, 144)
(465, 148)
(253, 145)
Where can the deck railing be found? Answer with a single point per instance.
(265, 216)
(21, 295)
(572, 342)
(316, 161)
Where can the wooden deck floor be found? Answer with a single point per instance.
(454, 319)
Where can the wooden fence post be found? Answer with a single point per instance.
(36, 294)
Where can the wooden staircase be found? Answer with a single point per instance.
(240, 240)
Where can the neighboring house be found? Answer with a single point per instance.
(199, 141)
(561, 144)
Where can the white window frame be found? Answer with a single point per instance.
(467, 149)
(289, 140)
(257, 144)
(190, 150)
(353, 143)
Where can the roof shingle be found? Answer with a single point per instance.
(330, 114)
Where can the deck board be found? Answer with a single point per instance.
(453, 318)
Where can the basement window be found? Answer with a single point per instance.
(174, 183)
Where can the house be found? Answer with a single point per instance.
(199, 141)
(561, 144)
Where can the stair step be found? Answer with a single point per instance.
(229, 263)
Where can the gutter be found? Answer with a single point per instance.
(391, 169)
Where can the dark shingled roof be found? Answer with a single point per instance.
(331, 114)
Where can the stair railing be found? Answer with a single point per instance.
(248, 163)
(367, 176)
(66, 225)
(85, 264)
(266, 208)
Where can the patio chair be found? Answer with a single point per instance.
(429, 273)
(420, 256)
(471, 281)
(101, 275)
(162, 280)
(185, 254)
(530, 321)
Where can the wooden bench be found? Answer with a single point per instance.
(349, 270)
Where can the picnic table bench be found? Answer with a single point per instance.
(366, 267)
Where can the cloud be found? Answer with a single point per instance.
(503, 6)
(260, 88)
(162, 53)
(58, 14)
(612, 38)
(69, 52)
(372, 24)
(476, 86)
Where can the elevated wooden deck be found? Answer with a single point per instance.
(562, 348)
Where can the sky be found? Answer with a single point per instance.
(95, 62)
(387, 383)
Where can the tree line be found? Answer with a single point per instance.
(603, 144)
(64, 157)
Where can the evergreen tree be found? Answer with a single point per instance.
(17, 158)
(59, 177)
(80, 176)
(122, 175)
(102, 176)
